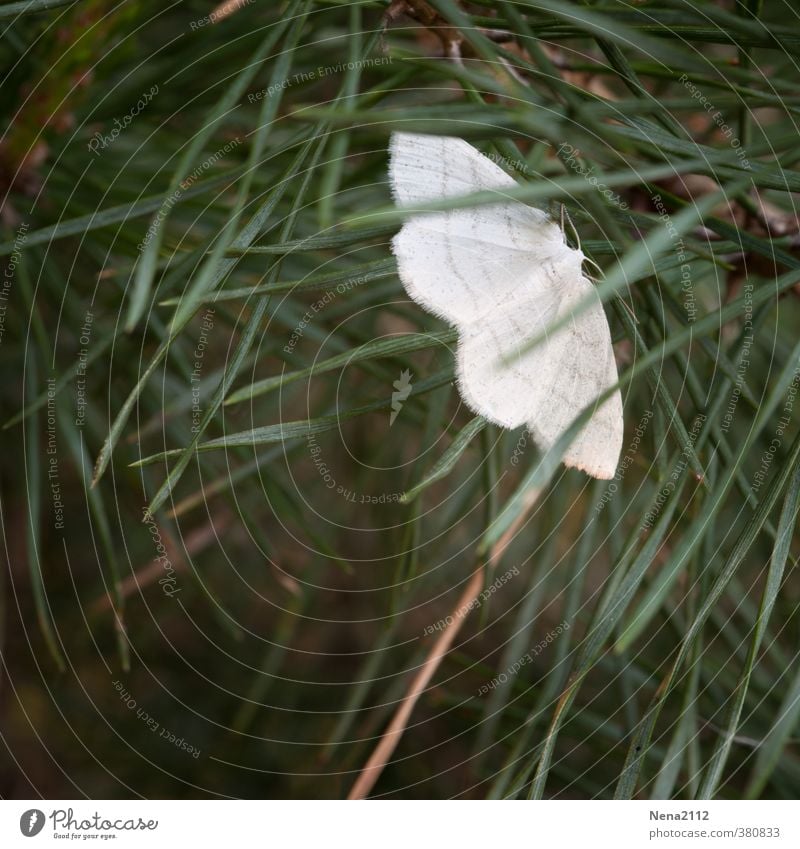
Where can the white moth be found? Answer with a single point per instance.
(502, 273)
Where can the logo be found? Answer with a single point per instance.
(403, 387)
(31, 822)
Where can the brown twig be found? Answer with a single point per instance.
(148, 573)
(391, 737)
(226, 9)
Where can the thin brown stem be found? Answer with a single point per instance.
(391, 737)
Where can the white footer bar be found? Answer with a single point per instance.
(400, 824)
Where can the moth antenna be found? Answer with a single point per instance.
(566, 219)
(592, 262)
(629, 309)
(624, 303)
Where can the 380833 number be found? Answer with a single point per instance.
(758, 832)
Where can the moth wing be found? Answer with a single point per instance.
(502, 273)
(547, 386)
(424, 169)
(459, 263)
